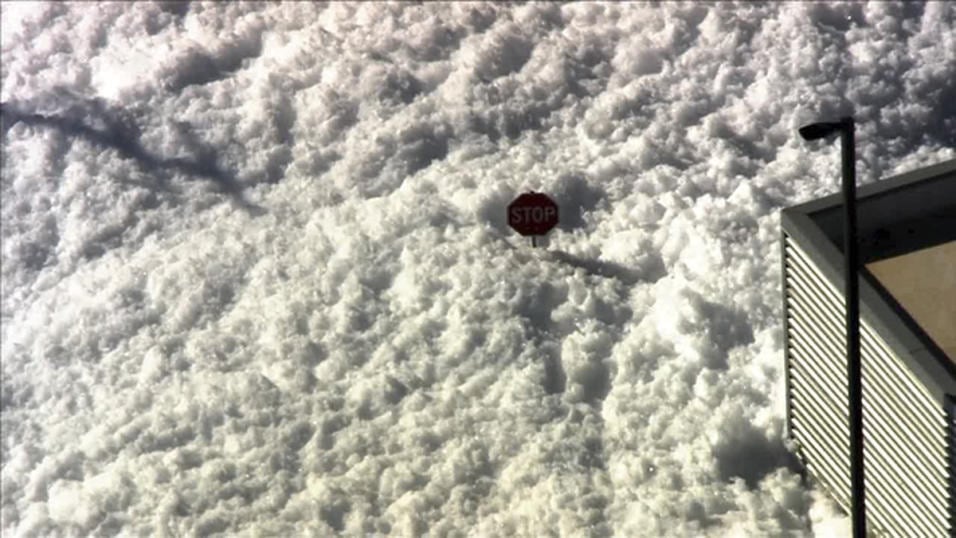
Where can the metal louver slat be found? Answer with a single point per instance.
(919, 447)
(895, 504)
(889, 358)
(829, 304)
(806, 307)
(828, 422)
(837, 479)
(884, 466)
(882, 396)
(826, 293)
(823, 441)
(892, 504)
(829, 416)
(888, 518)
(893, 383)
(824, 330)
(910, 471)
(826, 391)
(820, 353)
(827, 419)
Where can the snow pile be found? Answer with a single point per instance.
(257, 277)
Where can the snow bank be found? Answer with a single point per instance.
(256, 275)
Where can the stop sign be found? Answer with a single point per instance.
(533, 213)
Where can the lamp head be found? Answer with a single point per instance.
(815, 131)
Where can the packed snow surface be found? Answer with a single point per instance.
(257, 275)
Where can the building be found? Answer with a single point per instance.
(907, 236)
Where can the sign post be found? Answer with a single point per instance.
(534, 214)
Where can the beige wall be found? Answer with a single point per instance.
(924, 283)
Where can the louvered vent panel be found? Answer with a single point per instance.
(907, 447)
(818, 391)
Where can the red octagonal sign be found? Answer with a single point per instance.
(533, 213)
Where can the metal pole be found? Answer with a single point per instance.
(851, 294)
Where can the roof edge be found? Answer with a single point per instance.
(876, 188)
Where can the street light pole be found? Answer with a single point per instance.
(815, 131)
(851, 287)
